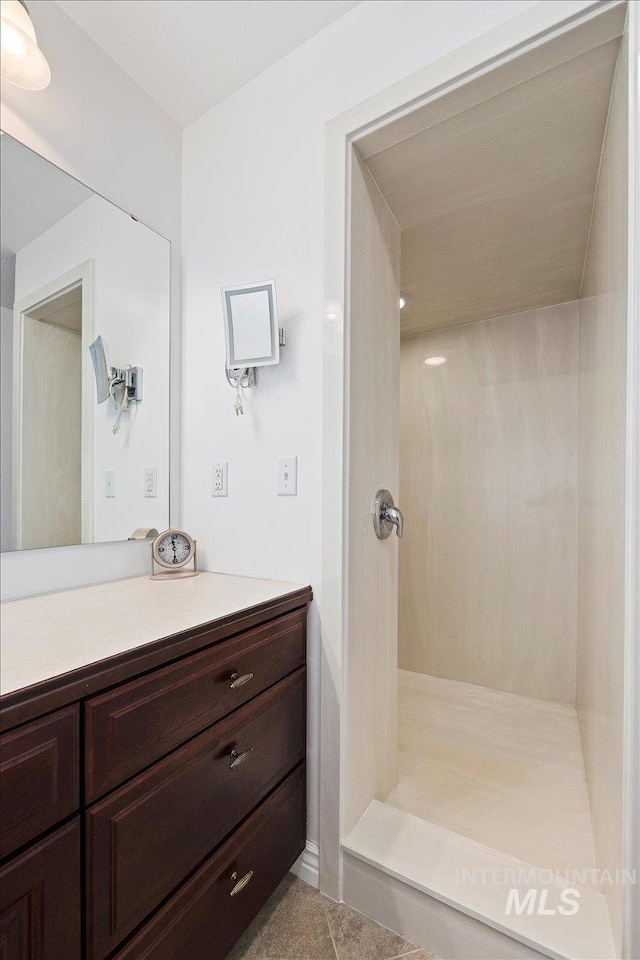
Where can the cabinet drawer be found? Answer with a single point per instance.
(203, 920)
(40, 900)
(145, 838)
(38, 777)
(130, 727)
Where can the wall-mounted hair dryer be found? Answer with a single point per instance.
(124, 384)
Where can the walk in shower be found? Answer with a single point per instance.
(504, 223)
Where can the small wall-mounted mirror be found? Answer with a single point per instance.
(251, 325)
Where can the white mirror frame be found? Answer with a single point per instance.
(235, 359)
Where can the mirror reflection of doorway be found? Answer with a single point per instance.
(48, 434)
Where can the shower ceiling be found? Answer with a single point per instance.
(495, 202)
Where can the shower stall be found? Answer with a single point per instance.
(483, 785)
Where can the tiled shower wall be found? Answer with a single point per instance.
(601, 495)
(488, 466)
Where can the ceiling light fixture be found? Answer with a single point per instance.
(23, 63)
(435, 361)
(405, 300)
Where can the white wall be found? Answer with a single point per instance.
(131, 306)
(253, 209)
(99, 126)
(6, 412)
(602, 345)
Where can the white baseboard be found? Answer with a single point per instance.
(306, 866)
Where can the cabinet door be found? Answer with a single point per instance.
(40, 899)
(39, 775)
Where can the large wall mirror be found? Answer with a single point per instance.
(85, 362)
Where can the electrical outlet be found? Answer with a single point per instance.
(150, 482)
(109, 483)
(288, 477)
(219, 474)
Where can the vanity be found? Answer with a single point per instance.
(152, 733)
(152, 791)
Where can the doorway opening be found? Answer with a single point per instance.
(52, 403)
(50, 458)
(485, 663)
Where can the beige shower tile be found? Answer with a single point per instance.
(373, 572)
(601, 503)
(488, 489)
(356, 937)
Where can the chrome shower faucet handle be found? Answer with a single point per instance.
(386, 515)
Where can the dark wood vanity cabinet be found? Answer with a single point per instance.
(40, 916)
(160, 799)
(39, 782)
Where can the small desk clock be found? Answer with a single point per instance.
(174, 551)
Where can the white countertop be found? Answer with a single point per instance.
(43, 637)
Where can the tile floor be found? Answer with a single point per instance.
(298, 923)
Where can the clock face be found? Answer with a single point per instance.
(173, 548)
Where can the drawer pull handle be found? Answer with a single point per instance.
(238, 758)
(237, 681)
(241, 884)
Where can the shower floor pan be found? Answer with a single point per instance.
(491, 798)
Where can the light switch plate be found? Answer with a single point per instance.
(219, 478)
(288, 477)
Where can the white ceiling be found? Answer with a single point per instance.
(495, 202)
(188, 55)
